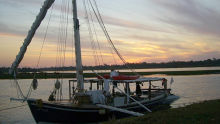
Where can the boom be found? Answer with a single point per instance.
(43, 11)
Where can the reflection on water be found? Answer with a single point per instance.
(190, 89)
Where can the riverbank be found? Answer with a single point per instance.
(206, 112)
(43, 75)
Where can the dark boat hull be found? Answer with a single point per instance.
(61, 114)
(47, 112)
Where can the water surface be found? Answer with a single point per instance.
(151, 69)
(190, 89)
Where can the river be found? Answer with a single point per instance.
(190, 89)
(151, 70)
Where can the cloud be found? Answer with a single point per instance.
(130, 24)
(205, 55)
(7, 30)
(20, 3)
(192, 16)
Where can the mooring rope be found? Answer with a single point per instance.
(12, 107)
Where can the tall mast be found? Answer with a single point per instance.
(79, 69)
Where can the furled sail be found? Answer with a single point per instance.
(47, 4)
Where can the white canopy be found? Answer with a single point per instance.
(144, 79)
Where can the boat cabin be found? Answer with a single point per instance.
(109, 91)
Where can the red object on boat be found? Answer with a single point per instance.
(125, 77)
(120, 77)
(106, 76)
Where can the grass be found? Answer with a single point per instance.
(73, 75)
(207, 112)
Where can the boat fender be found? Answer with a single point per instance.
(39, 103)
(34, 83)
(57, 84)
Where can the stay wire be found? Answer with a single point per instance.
(60, 36)
(58, 42)
(62, 41)
(90, 35)
(98, 16)
(60, 45)
(65, 42)
(66, 33)
(95, 56)
(96, 37)
(107, 35)
(45, 35)
(100, 23)
(109, 39)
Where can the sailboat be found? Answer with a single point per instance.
(101, 104)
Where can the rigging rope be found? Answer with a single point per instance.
(44, 39)
(96, 59)
(12, 107)
(65, 42)
(45, 35)
(19, 91)
(62, 42)
(99, 18)
(89, 2)
(96, 37)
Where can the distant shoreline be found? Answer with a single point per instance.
(44, 75)
(144, 65)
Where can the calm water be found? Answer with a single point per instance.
(190, 89)
(154, 69)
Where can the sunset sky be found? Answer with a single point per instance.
(142, 30)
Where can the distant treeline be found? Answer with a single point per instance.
(143, 65)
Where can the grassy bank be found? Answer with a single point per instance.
(73, 75)
(207, 112)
